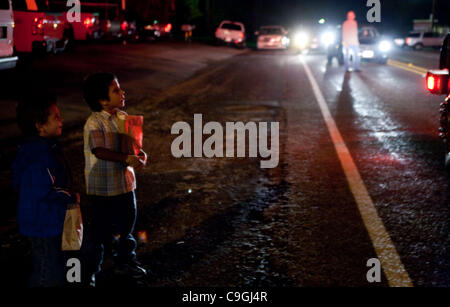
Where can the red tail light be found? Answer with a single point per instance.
(431, 83)
(438, 81)
(87, 22)
(37, 26)
(168, 27)
(124, 26)
(241, 35)
(408, 40)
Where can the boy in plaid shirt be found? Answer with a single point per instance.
(110, 179)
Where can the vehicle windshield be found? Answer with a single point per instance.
(270, 31)
(4, 5)
(367, 36)
(30, 5)
(414, 35)
(231, 26)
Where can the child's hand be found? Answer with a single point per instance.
(143, 158)
(77, 196)
(133, 161)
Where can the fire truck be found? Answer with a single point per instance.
(36, 29)
(88, 25)
(7, 58)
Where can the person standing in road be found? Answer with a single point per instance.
(350, 41)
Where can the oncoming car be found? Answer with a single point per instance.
(372, 46)
(231, 32)
(272, 37)
(333, 41)
(300, 41)
(314, 39)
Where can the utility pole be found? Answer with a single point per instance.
(432, 15)
(208, 15)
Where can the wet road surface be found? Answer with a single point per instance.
(227, 222)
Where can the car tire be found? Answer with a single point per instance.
(340, 59)
(382, 61)
(418, 46)
(447, 161)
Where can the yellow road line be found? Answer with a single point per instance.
(390, 261)
(408, 66)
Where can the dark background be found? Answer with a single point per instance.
(396, 15)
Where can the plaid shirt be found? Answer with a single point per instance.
(105, 178)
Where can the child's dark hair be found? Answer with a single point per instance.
(96, 88)
(33, 109)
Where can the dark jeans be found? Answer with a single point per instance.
(48, 262)
(108, 212)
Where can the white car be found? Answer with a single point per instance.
(372, 45)
(7, 59)
(231, 32)
(418, 40)
(272, 37)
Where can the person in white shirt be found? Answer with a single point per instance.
(350, 42)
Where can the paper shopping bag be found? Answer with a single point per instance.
(131, 129)
(72, 235)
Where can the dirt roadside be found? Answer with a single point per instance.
(175, 187)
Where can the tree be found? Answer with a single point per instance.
(190, 10)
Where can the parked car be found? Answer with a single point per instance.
(36, 29)
(231, 32)
(418, 40)
(7, 58)
(150, 31)
(272, 37)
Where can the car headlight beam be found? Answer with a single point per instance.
(385, 46)
(301, 39)
(327, 39)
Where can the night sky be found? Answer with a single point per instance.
(396, 15)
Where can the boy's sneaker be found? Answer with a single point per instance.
(88, 280)
(132, 269)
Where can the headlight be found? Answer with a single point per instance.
(327, 39)
(384, 46)
(285, 41)
(301, 39)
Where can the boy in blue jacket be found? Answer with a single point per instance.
(42, 178)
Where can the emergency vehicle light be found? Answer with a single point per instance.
(168, 27)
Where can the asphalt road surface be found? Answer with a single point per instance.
(360, 173)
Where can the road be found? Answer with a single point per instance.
(316, 218)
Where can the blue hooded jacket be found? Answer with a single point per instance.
(41, 177)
